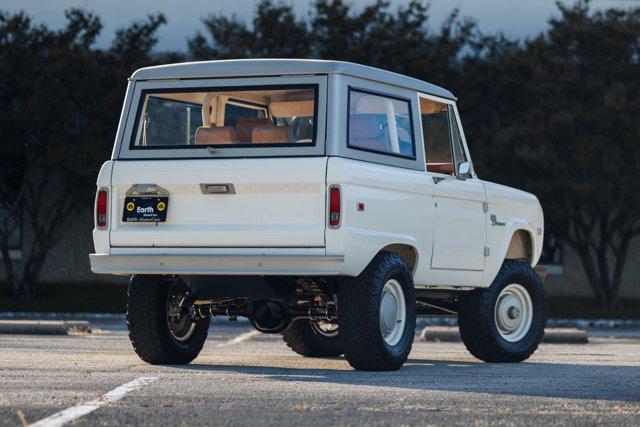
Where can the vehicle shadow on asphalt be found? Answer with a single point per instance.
(598, 382)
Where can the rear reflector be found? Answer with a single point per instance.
(334, 206)
(101, 208)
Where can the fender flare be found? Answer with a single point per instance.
(515, 225)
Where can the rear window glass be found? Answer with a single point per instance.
(380, 123)
(243, 117)
(234, 110)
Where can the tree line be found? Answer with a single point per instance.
(555, 114)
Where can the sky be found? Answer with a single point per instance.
(515, 18)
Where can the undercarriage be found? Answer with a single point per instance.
(270, 304)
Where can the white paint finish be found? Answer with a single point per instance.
(518, 210)
(72, 414)
(279, 208)
(217, 251)
(338, 116)
(278, 202)
(399, 209)
(124, 117)
(459, 224)
(283, 67)
(279, 265)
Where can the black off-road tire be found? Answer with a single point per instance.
(476, 317)
(303, 338)
(359, 316)
(149, 330)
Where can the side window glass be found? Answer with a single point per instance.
(169, 121)
(458, 148)
(437, 136)
(380, 124)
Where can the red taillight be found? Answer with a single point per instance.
(334, 207)
(101, 208)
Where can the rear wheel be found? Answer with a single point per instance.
(377, 315)
(505, 322)
(160, 329)
(313, 339)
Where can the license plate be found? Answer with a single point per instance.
(145, 209)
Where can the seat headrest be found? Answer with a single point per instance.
(244, 127)
(364, 127)
(216, 135)
(271, 134)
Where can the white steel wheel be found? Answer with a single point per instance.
(393, 312)
(513, 312)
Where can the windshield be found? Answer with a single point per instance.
(242, 117)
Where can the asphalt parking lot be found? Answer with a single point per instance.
(245, 378)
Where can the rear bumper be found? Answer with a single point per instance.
(280, 265)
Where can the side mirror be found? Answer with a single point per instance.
(464, 170)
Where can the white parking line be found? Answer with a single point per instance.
(240, 338)
(71, 414)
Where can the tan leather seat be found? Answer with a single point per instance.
(216, 135)
(244, 127)
(365, 132)
(271, 134)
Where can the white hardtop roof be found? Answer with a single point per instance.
(278, 67)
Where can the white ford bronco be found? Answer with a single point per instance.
(326, 201)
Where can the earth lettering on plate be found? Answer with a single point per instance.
(148, 209)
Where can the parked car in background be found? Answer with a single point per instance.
(327, 201)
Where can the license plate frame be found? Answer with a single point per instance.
(145, 209)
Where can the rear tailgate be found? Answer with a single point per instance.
(275, 202)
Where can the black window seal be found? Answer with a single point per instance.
(145, 92)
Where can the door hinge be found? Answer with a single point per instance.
(485, 207)
(487, 251)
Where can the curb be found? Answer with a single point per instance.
(32, 315)
(551, 335)
(551, 323)
(44, 327)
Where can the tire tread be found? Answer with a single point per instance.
(302, 339)
(476, 314)
(361, 341)
(147, 324)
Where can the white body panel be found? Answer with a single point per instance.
(398, 209)
(518, 210)
(268, 209)
(276, 221)
(459, 225)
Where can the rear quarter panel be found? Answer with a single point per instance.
(398, 208)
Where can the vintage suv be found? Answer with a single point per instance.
(324, 200)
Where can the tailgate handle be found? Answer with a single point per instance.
(217, 189)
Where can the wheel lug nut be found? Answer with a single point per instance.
(513, 313)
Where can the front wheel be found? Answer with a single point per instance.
(505, 322)
(377, 315)
(160, 329)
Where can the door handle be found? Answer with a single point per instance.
(217, 189)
